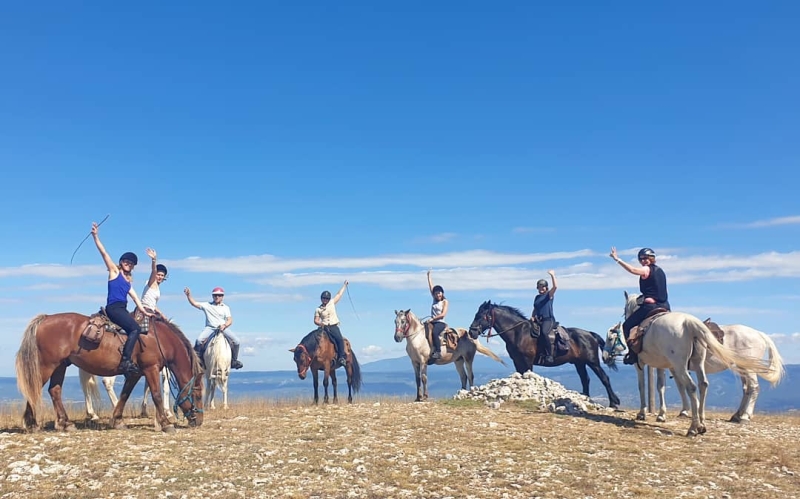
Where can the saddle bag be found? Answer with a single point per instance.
(93, 332)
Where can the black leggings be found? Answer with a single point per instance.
(638, 316)
(545, 325)
(118, 313)
(438, 327)
(334, 333)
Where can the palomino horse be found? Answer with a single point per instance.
(406, 325)
(739, 338)
(91, 393)
(217, 359)
(515, 329)
(316, 352)
(678, 341)
(51, 343)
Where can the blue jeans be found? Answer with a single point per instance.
(208, 330)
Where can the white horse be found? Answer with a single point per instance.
(217, 359)
(678, 341)
(91, 393)
(408, 327)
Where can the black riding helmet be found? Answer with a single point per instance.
(130, 257)
(437, 289)
(161, 268)
(647, 252)
(540, 283)
(326, 295)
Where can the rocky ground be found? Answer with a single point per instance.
(521, 437)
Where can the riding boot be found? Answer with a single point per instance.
(630, 358)
(235, 364)
(342, 360)
(198, 349)
(126, 365)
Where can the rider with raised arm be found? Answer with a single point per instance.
(326, 318)
(218, 316)
(652, 286)
(119, 289)
(152, 290)
(543, 314)
(438, 314)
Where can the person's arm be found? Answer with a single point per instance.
(317, 318)
(228, 321)
(340, 293)
(113, 270)
(430, 282)
(153, 270)
(640, 271)
(191, 300)
(553, 288)
(135, 298)
(443, 314)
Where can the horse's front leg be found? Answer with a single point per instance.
(418, 379)
(349, 371)
(335, 388)
(584, 376)
(152, 375)
(661, 385)
(224, 389)
(210, 392)
(62, 422)
(127, 388)
(461, 373)
(424, 376)
(642, 397)
(325, 381)
(315, 379)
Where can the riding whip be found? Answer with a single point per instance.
(85, 238)
(351, 301)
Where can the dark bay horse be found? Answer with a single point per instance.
(316, 352)
(51, 343)
(514, 328)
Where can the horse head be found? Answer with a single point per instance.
(615, 345)
(188, 374)
(403, 324)
(484, 320)
(303, 359)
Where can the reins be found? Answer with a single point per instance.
(173, 383)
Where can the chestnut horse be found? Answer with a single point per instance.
(316, 352)
(51, 343)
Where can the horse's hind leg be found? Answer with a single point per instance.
(325, 381)
(127, 388)
(750, 391)
(349, 371)
(333, 382)
(315, 379)
(461, 373)
(62, 422)
(418, 379)
(661, 386)
(613, 400)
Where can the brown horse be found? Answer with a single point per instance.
(52, 342)
(515, 329)
(316, 352)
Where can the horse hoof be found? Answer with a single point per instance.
(691, 433)
(168, 429)
(701, 429)
(640, 417)
(661, 419)
(684, 414)
(735, 419)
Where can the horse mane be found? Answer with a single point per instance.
(509, 309)
(196, 368)
(311, 341)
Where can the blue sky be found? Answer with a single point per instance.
(278, 150)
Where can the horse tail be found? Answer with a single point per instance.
(487, 352)
(737, 363)
(776, 370)
(356, 377)
(29, 374)
(601, 342)
(89, 385)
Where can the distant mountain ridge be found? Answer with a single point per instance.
(395, 378)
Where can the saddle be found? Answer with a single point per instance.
(558, 337)
(100, 322)
(450, 336)
(714, 327)
(324, 330)
(637, 332)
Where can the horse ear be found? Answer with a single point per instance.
(395, 312)
(291, 349)
(626, 294)
(407, 311)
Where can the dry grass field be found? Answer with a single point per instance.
(389, 448)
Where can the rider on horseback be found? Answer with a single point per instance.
(218, 317)
(543, 314)
(326, 318)
(438, 313)
(119, 288)
(653, 287)
(152, 290)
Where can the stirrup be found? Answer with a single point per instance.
(236, 364)
(128, 367)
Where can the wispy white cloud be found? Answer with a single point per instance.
(438, 238)
(532, 230)
(770, 222)
(53, 270)
(785, 338)
(76, 298)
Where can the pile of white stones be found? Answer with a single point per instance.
(530, 386)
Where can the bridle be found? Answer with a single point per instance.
(405, 329)
(490, 318)
(305, 367)
(191, 413)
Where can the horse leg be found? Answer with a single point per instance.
(333, 382)
(62, 422)
(418, 379)
(584, 376)
(661, 386)
(127, 388)
(325, 381)
(702, 381)
(89, 387)
(165, 392)
(468, 367)
(685, 407)
(315, 378)
(461, 373)
(210, 389)
(143, 414)
(349, 370)
(152, 379)
(750, 391)
(424, 376)
(224, 388)
(613, 400)
(642, 402)
(685, 382)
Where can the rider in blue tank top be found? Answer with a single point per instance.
(119, 288)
